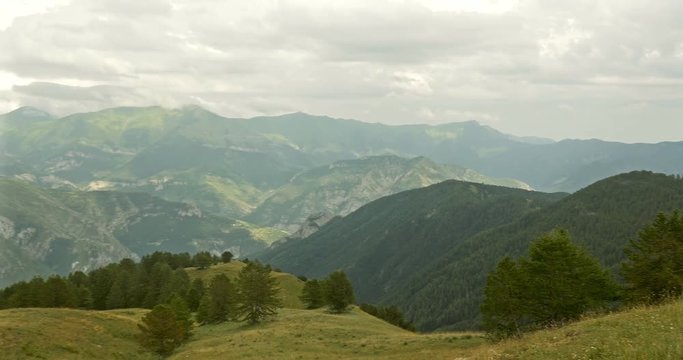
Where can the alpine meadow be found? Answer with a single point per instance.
(423, 179)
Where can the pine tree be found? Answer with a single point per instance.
(557, 283)
(222, 300)
(338, 292)
(312, 294)
(202, 260)
(58, 293)
(157, 282)
(160, 331)
(503, 307)
(203, 309)
(182, 313)
(653, 270)
(195, 294)
(226, 256)
(119, 293)
(258, 292)
(101, 281)
(564, 281)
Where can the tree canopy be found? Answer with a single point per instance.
(653, 270)
(338, 292)
(558, 282)
(258, 292)
(160, 330)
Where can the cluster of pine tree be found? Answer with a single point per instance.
(252, 297)
(335, 292)
(560, 282)
(126, 284)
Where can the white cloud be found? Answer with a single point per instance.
(508, 63)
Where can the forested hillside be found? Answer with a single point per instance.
(421, 251)
(602, 218)
(383, 243)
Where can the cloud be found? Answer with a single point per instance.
(519, 63)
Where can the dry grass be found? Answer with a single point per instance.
(316, 334)
(640, 333)
(70, 334)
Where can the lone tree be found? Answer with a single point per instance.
(160, 330)
(338, 292)
(226, 256)
(312, 294)
(653, 270)
(258, 292)
(557, 283)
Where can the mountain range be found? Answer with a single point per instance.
(237, 159)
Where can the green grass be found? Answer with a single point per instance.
(290, 285)
(70, 334)
(641, 333)
(316, 334)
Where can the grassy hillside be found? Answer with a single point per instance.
(344, 186)
(57, 231)
(289, 284)
(70, 334)
(315, 334)
(642, 333)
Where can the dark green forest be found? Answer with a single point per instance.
(429, 250)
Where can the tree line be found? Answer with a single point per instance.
(126, 284)
(559, 282)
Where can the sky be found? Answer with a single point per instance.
(560, 69)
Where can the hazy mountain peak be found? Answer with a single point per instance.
(29, 112)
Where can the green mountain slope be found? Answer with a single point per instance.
(384, 242)
(602, 217)
(47, 231)
(344, 186)
(429, 250)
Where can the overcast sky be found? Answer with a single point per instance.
(559, 69)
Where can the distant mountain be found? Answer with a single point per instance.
(429, 250)
(54, 231)
(344, 186)
(230, 164)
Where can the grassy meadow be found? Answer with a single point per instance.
(640, 333)
(70, 334)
